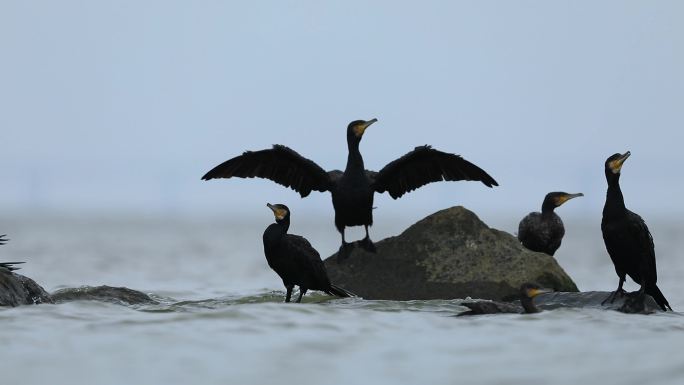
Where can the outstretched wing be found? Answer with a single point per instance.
(425, 165)
(279, 164)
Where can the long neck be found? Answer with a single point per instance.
(615, 202)
(528, 305)
(354, 159)
(547, 207)
(275, 232)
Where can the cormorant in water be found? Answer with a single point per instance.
(352, 190)
(527, 293)
(294, 259)
(627, 238)
(7, 266)
(544, 231)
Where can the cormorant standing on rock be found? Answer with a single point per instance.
(527, 293)
(294, 259)
(544, 231)
(352, 190)
(628, 241)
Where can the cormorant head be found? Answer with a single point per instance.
(281, 212)
(557, 198)
(614, 163)
(531, 290)
(356, 129)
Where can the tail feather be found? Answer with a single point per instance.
(658, 296)
(340, 292)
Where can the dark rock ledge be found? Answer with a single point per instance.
(449, 254)
(16, 289)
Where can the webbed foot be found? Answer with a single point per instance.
(611, 298)
(345, 251)
(368, 245)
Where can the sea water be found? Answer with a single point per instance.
(221, 320)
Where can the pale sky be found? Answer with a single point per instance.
(115, 106)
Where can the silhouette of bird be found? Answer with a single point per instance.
(294, 259)
(527, 293)
(628, 240)
(352, 190)
(544, 231)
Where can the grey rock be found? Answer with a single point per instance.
(628, 303)
(16, 289)
(117, 295)
(449, 254)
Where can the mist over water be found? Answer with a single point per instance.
(221, 317)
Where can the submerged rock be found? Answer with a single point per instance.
(16, 289)
(629, 303)
(449, 254)
(118, 295)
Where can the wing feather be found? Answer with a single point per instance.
(279, 164)
(308, 260)
(640, 232)
(425, 165)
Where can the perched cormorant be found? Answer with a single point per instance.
(7, 266)
(627, 239)
(544, 231)
(352, 190)
(294, 259)
(527, 293)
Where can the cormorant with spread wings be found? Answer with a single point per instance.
(352, 190)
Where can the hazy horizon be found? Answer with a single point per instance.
(116, 107)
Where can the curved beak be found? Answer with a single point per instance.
(535, 292)
(361, 128)
(616, 165)
(278, 212)
(567, 197)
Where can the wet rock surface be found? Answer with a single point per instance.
(627, 303)
(449, 254)
(118, 295)
(16, 289)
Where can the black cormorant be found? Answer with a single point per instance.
(294, 259)
(628, 241)
(544, 231)
(352, 190)
(527, 293)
